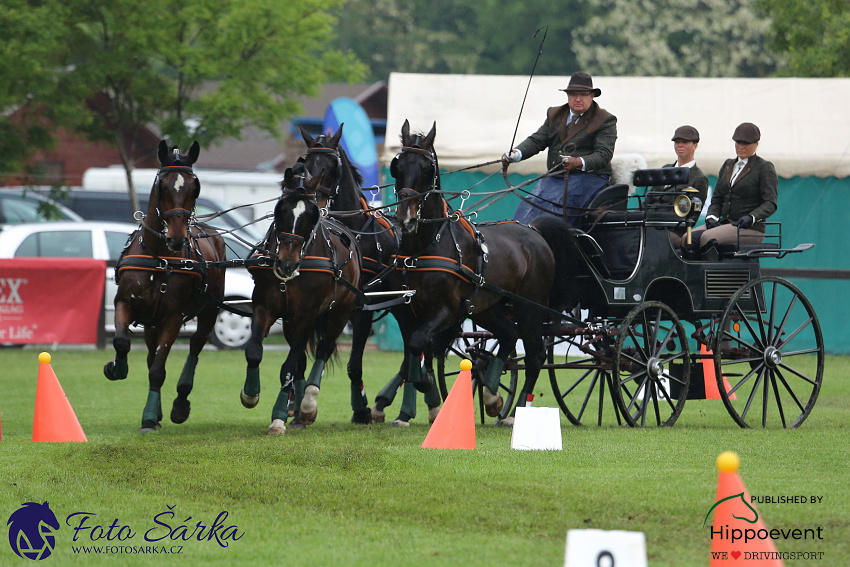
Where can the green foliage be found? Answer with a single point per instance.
(677, 38)
(813, 34)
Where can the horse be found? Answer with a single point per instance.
(496, 274)
(377, 240)
(308, 274)
(166, 275)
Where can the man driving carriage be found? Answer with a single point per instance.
(744, 196)
(580, 137)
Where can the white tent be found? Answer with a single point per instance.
(804, 123)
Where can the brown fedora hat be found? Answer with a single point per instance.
(582, 82)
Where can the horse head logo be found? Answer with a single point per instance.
(31, 529)
(747, 504)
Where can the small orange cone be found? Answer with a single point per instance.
(54, 418)
(454, 427)
(711, 391)
(736, 519)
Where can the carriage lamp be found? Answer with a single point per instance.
(688, 206)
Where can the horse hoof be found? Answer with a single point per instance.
(400, 423)
(113, 372)
(493, 403)
(249, 402)
(432, 414)
(297, 425)
(507, 422)
(149, 427)
(180, 411)
(363, 417)
(378, 416)
(309, 405)
(278, 427)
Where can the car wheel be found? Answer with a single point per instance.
(232, 331)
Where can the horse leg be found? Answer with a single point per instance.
(387, 394)
(291, 375)
(362, 324)
(260, 325)
(408, 406)
(181, 407)
(117, 369)
(535, 353)
(506, 334)
(326, 346)
(159, 345)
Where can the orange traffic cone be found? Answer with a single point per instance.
(711, 391)
(54, 418)
(454, 427)
(737, 525)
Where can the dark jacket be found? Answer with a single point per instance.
(754, 192)
(696, 179)
(594, 136)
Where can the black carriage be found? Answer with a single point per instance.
(652, 326)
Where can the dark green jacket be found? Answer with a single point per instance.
(594, 136)
(754, 192)
(696, 179)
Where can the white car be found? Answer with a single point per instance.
(105, 241)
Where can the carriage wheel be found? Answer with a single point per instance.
(771, 358)
(579, 371)
(651, 366)
(479, 347)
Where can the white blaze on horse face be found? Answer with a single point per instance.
(299, 209)
(179, 183)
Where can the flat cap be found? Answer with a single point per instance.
(687, 133)
(747, 132)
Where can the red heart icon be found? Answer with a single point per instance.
(736, 554)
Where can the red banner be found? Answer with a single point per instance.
(51, 300)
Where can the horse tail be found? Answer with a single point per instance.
(319, 331)
(561, 238)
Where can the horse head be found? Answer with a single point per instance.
(296, 215)
(324, 154)
(174, 193)
(416, 176)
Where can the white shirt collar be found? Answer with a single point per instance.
(690, 164)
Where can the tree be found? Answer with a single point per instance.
(678, 38)
(813, 34)
(195, 70)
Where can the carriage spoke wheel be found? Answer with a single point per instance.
(580, 374)
(651, 366)
(479, 347)
(771, 358)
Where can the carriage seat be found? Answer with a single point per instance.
(661, 176)
(614, 197)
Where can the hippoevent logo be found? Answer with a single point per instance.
(738, 534)
(33, 528)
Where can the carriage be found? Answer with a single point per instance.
(652, 328)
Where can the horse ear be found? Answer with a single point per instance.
(308, 139)
(394, 167)
(194, 152)
(334, 142)
(429, 139)
(162, 152)
(287, 178)
(405, 133)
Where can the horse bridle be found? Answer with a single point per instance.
(409, 192)
(319, 149)
(300, 190)
(165, 215)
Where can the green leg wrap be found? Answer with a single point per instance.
(187, 376)
(432, 398)
(493, 374)
(153, 408)
(386, 396)
(316, 373)
(298, 387)
(279, 411)
(359, 402)
(119, 369)
(252, 382)
(408, 400)
(414, 371)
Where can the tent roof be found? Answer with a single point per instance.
(804, 123)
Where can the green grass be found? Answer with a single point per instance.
(340, 494)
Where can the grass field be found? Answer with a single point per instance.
(340, 494)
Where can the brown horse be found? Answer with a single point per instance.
(307, 274)
(494, 274)
(164, 280)
(377, 240)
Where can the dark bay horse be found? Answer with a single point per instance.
(492, 273)
(307, 274)
(164, 280)
(377, 239)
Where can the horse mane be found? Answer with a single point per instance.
(355, 171)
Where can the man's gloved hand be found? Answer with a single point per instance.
(746, 221)
(711, 222)
(514, 156)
